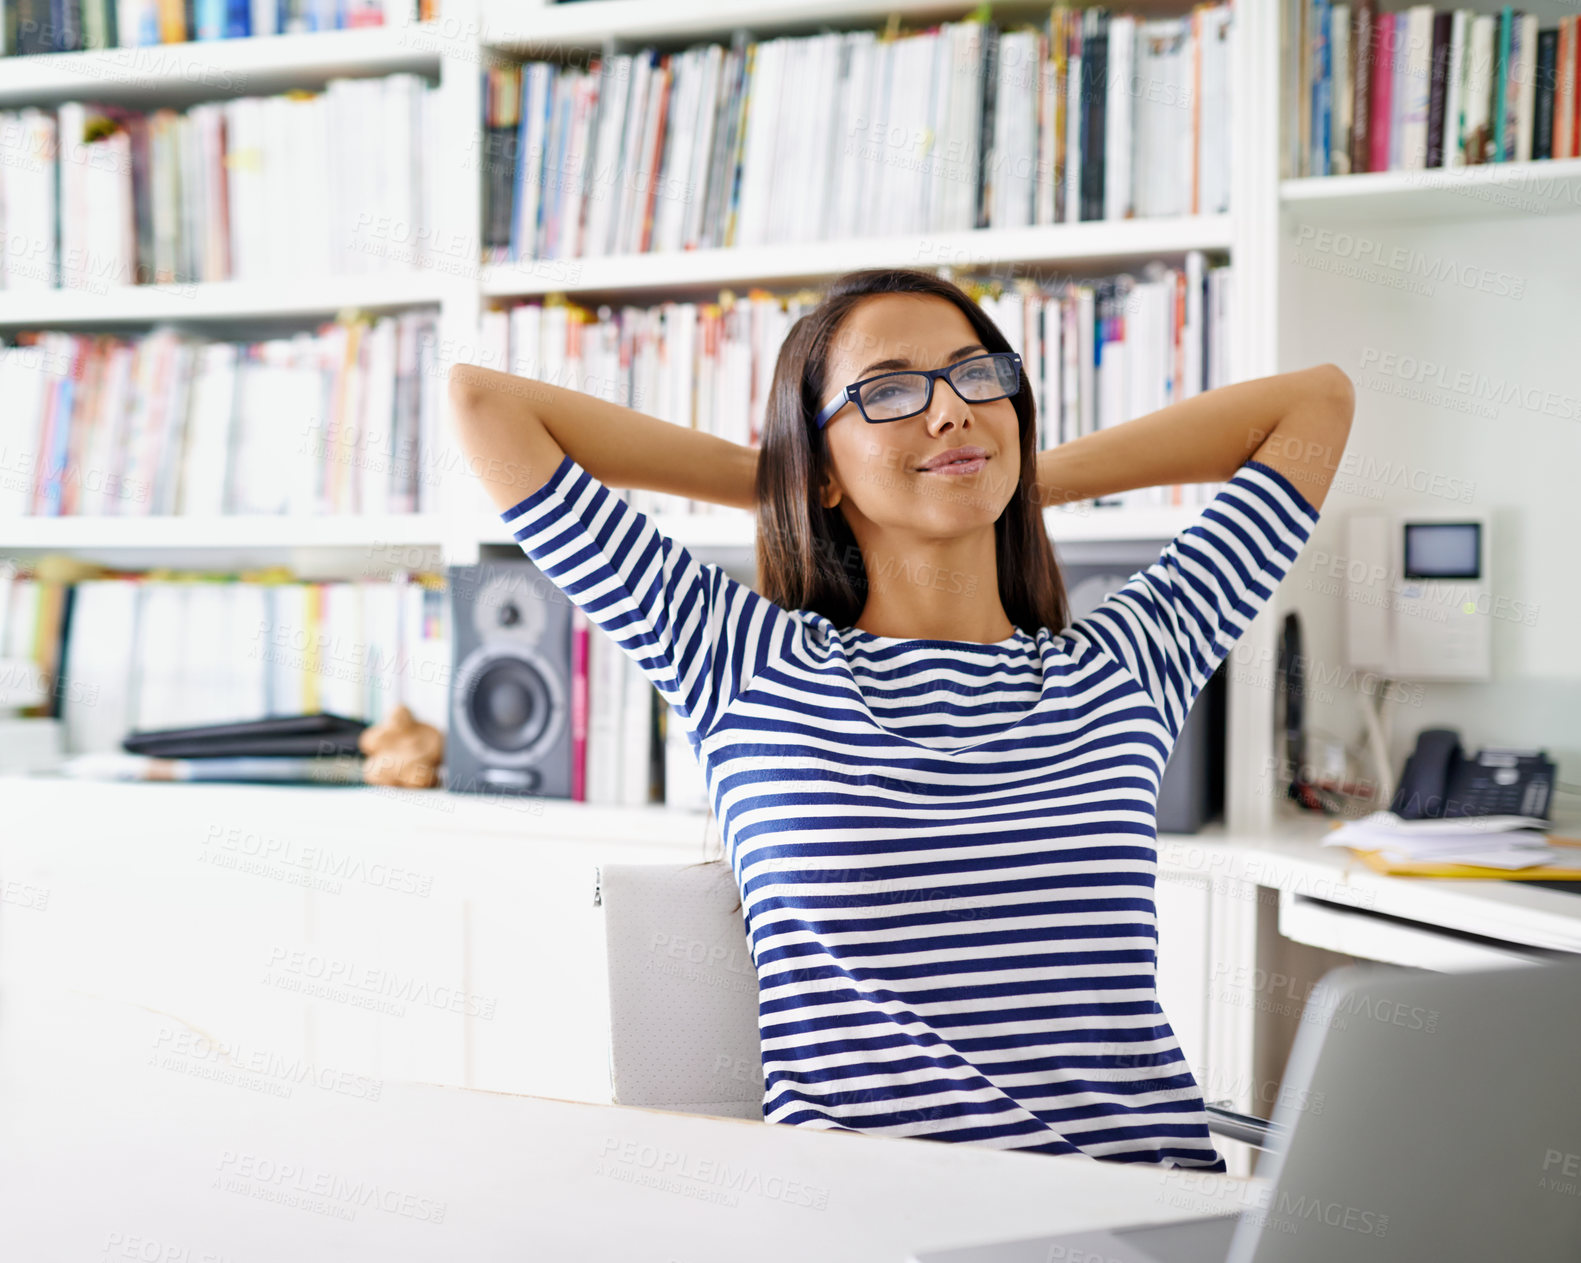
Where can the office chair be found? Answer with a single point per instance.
(683, 997)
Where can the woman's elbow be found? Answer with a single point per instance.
(1338, 388)
(466, 388)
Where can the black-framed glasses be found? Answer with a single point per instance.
(896, 396)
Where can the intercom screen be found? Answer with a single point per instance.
(1442, 550)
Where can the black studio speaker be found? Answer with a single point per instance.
(510, 691)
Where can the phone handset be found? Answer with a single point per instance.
(1425, 780)
(1439, 780)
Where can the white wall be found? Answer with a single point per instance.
(1522, 463)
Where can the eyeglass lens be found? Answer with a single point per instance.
(902, 394)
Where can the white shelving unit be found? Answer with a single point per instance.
(474, 33)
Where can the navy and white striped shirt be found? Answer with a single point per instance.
(946, 850)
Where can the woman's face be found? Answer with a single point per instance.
(876, 471)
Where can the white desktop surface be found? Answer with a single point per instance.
(107, 1154)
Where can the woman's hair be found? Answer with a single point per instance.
(807, 555)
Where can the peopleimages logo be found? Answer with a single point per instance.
(325, 1192)
(1470, 383)
(1365, 253)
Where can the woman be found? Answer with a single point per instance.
(937, 798)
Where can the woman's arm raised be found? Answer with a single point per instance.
(1294, 422)
(516, 430)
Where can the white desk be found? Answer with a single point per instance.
(108, 1152)
(215, 904)
(1293, 861)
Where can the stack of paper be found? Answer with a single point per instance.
(1489, 841)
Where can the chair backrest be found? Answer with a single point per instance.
(683, 990)
(683, 997)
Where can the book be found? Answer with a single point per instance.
(1400, 88)
(105, 196)
(689, 149)
(1117, 109)
(1076, 117)
(1343, 60)
(1572, 71)
(1319, 53)
(1437, 97)
(1526, 84)
(1303, 59)
(1564, 90)
(1095, 68)
(1481, 73)
(1543, 116)
(166, 424)
(1214, 86)
(1503, 145)
(1381, 126)
(57, 26)
(1454, 131)
(988, 98)
(1424, 88)
(1363, 46)
(581, 627)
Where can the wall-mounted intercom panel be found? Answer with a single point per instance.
(1418, 598)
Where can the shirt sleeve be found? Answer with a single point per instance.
(1173, 623)
(697, 633)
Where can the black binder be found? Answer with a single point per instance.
(299, 736)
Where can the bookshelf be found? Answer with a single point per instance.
(451, 51)
(1270, 332)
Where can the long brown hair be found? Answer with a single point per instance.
(804, 550)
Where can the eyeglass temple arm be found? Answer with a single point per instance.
(833, 406)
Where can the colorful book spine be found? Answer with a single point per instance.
(579, 714)
(1543, 120)
(1382, 92)
(1363, 41)
(1500, 83)
(1564, 83)
(1436, 91)
(1398, 89)
(1322, 69)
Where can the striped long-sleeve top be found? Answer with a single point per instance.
(946, 850)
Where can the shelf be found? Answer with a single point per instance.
(510, 27)
(214, 69)
(257, 531)
(734, 529)
(217, 300)
(1095, 242)
(1458, 194)
(264, 533)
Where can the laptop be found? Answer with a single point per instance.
(1423, 1116)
